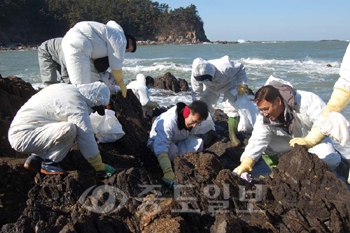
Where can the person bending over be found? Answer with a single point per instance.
(284, 113)
(91, 40)
(211, 78)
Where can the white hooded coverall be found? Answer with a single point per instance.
(226, 77)
(335, 124)
(271, 139)
(91, 40)
(344, 80)
(51, 58)
(48, 124)
(165, 136)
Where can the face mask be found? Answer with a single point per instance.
(205, 81)
(148, 87)
(203, 78)
(100, 110)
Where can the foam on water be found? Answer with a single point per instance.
(135, 61)
(163, 67)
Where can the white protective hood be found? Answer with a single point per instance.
(202, 67)
(97, 93)
(141, 79)
(226, 75)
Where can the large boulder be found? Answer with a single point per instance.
(304, 195)
(169, 82)
(14, 92)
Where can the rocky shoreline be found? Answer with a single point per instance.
(34, 46)
(300, 195)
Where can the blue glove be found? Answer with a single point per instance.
(170, 184)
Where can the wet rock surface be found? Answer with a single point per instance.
(170, 82)
(300, 195)
(303, 195)
(13, 93)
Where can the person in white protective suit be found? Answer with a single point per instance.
(51, 60)
(140, 88)
(211, 78)
(284, 113)
(332, 124)
(47, 125)
(170, 135)
(91, 40)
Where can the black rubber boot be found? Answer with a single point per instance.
(33, 163)
(49, 167)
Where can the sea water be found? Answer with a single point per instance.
(308, 65)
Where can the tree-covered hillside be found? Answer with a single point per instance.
(33, 21)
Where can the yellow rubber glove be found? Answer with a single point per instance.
(96, 162)
(339, 99)
(245, 166)
(151, 105)
(312, 138)
(118, 76)
(165, 164)
(241, 88)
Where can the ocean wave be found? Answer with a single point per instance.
(159, 67)
(133, 61)
(269, 42)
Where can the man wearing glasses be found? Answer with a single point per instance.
(170, 135)
(285, 113)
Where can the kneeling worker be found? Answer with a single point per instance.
(170, 135)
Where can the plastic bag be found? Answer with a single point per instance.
(248, 112)
(106, 128)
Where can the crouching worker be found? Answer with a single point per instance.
(284, 113)
(47, 125)
(170, 135)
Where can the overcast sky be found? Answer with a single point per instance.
(270, 20)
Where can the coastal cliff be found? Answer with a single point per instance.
(145, 20)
